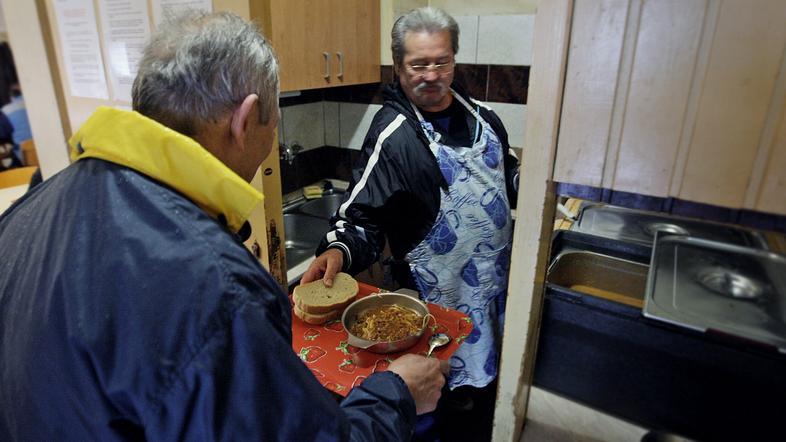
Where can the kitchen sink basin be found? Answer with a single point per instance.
(323, 207)
(305, 221)
(302, 234)
(600, 275)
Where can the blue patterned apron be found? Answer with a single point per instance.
(463, 261)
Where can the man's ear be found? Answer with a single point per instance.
(240, 116)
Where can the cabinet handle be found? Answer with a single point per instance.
(340, 57)
(326, 76)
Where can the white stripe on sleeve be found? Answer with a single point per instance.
(372, 161)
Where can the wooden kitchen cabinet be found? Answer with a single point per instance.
(322, 43)
(677, 98)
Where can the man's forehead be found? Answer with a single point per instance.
(423, 40)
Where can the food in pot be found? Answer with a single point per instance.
(387, 323)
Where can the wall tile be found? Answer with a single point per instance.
(514, 117)
(386, 73)
(316, 165)
(307, 168)
(508, 84)
(354, 123)
(341, 93)
(505, 39)
(331, 123)
(304, 124)
(359, 93)
(367, 93)
(468, 39)
(308, 96)
(474, 78)
(337, 163)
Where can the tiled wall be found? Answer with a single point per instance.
(336, 119)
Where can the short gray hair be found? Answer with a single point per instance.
(200, 66)
(425, 19)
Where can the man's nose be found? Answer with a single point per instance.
(431, 75)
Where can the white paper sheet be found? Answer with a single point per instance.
(163, 9)
(126, 27)
(78, 34)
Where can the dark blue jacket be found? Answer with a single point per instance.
(127, 312)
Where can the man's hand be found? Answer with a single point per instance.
(424, 377)
(324, 266)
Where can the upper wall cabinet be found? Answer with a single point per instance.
(322, 43)
(679, 98)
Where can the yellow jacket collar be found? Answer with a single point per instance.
(135, 141)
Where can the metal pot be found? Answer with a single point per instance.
(351, 313)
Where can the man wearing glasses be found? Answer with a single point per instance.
(437, 178)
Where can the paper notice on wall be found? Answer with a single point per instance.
(78, 34)
(164, 9)
(126, 27)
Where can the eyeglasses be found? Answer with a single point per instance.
(440, 68)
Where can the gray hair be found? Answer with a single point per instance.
(200, 66)
(425, 19)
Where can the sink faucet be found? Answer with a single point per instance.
(288, 152)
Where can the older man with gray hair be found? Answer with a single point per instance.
(129, 307)
(436, 178)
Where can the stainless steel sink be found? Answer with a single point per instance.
(323, 207)
(305, 221)
(302, 234)
(640, 226)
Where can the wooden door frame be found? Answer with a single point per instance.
(535, 214)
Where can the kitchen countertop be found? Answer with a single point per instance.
(296, 272)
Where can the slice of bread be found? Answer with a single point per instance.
(315, 298)
(316, 319)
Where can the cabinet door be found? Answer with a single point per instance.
(769, 186)
(676, 98)
(300, 33)
(355, 46)
(322, 43)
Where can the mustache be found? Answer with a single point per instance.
(419, 88)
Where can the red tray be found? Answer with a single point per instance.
(340, 367)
